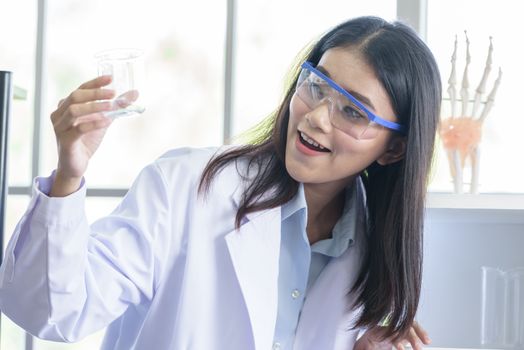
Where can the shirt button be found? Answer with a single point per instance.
(295, 293)
(276, 346)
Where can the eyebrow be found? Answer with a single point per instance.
(358, 96)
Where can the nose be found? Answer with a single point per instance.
(318, 117)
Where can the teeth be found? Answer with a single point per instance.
(310, 141)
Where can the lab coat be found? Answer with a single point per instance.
(167, 269)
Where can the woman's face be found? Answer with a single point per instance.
(345, 156)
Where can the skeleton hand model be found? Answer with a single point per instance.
(461, 134)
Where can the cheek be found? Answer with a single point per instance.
(359, 152)
(297, 109)
(348, 146)
(370, 147)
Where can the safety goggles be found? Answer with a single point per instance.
(346, 113)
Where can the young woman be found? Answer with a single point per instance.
(308, 238)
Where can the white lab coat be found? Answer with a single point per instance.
(167, 269)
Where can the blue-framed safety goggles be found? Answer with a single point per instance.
(346, 112)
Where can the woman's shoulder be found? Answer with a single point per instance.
(189, 155)
(190, 162)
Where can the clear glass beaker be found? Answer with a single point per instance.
(502, 313)
(126, 66)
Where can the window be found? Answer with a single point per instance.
(500, 166)
(184, 64)
(17, 44)
(269, 40)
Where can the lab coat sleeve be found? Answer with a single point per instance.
(62, 279)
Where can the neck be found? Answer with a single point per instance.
(325, 204)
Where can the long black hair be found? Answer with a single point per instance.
(389, 281)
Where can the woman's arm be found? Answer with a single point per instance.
(62, 280)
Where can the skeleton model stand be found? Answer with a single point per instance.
(461, 134)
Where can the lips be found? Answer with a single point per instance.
(311, 143)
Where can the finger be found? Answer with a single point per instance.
(81, 96)
(127, 98)
(89, 95)
(421, 333)
(414, 340)
(58, 112)
(398, 346)
(76, 111)
(98, 82)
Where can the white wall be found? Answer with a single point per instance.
(457, 243)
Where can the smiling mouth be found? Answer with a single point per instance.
(311, 144)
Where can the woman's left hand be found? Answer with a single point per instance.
(417, 337)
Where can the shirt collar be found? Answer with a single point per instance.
(294, 205)
(343, 234)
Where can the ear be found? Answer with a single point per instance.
(395, 151)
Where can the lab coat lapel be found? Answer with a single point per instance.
(254, 251)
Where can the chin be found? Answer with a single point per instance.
(300, 173)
